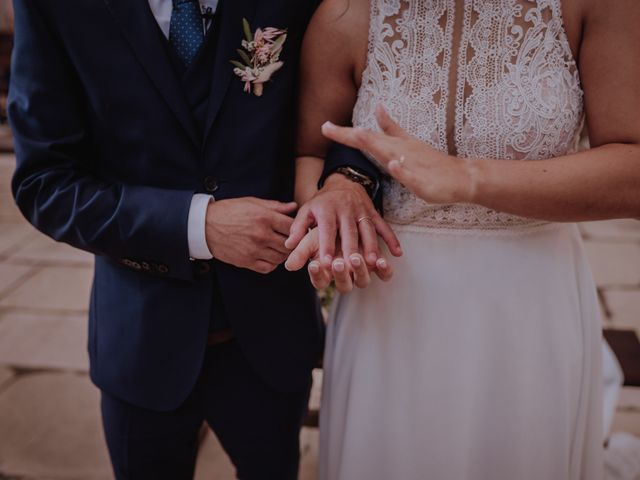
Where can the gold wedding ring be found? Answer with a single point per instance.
(364, 219)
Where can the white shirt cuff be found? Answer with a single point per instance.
(196, 236)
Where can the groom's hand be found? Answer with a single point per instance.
(249, 232)
(343, 212)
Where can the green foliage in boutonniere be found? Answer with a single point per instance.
(259, 56)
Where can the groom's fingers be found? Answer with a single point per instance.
(277, 243)
(264, 267)
(327, 231)
(285, 208)
(369, 241)
(342, 276)
(348, 236)
(361, 276)
(272, 256)
(281, 223)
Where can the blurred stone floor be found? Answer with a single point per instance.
(49, 413)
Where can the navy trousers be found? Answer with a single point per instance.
(257, 426)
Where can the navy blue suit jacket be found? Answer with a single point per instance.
(108, 159)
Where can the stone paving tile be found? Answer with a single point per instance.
(55, 288)
(309, 457)
(614, 263)
(44, 250)
(629, 399)
(627, 421)
(213, 463)
(8, 211)
(625, 308)
(613, 230)
(5, 375)
(14, 235)
(12, 275)
(316, 390)
(42, 341)
(50, 427)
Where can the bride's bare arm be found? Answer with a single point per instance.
(333, 57)
(328, 83)
(603, 182)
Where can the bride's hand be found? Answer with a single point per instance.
(430, 174)
(347, 275)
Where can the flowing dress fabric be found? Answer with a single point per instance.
(481, 360)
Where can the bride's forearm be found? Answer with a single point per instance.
(308, 172)
(595, 184)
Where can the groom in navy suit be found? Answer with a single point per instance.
(135, 141)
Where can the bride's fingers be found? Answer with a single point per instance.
(361, 276)
(398, 169)
(320, 277)
(342, 276)
(305, 251)
(388, 124)
(377, 144)
(301, 224)
(389, 237)
(384, 270)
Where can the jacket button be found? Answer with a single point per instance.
(202, 268)
(210, 184)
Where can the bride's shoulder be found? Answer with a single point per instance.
(339, 28)
(624, 12)
(345, 18)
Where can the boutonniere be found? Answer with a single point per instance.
(260, 56)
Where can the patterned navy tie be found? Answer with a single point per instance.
(186, 31)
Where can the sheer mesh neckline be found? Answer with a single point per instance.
(480, 79)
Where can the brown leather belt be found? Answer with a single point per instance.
(221, 336)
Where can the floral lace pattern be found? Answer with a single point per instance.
(496, 79)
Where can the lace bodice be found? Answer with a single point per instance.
(479, 79)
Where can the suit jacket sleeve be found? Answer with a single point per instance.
(343, 156)
(56, 184)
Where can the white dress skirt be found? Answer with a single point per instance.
(480, 360)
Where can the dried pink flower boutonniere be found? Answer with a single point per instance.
(260, 56)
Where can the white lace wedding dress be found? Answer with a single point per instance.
(481, 359)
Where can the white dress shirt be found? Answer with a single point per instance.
(162, 11)
(196, 236)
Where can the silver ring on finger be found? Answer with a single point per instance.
(364, 219)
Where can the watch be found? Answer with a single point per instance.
(356, 176)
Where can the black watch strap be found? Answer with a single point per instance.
(357, 176)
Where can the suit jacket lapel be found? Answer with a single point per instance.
(142, 32)
(229, 40)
